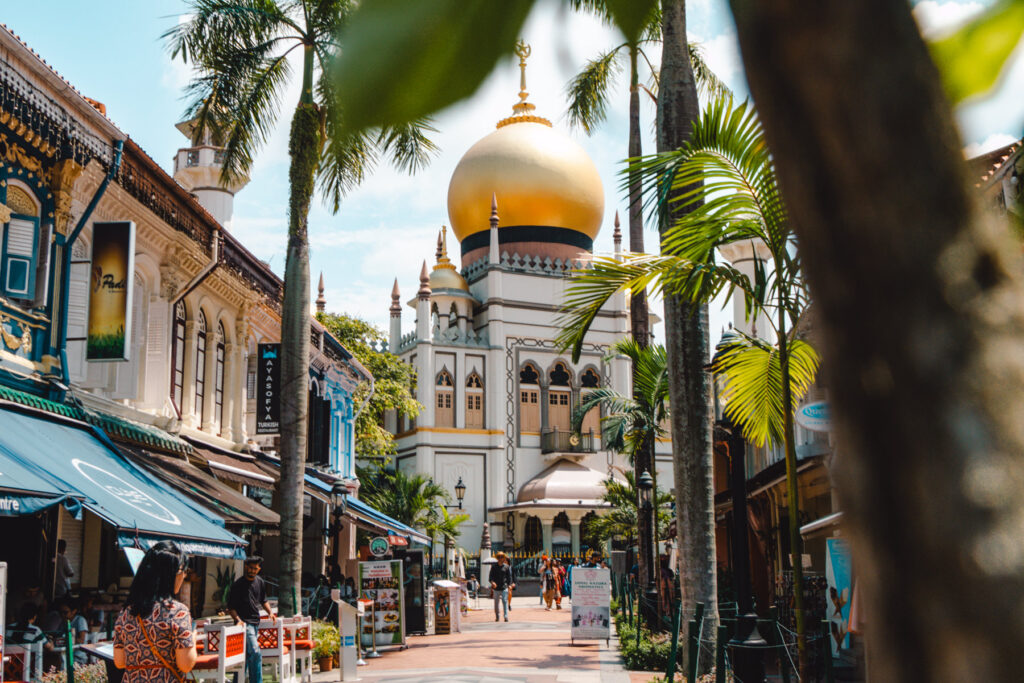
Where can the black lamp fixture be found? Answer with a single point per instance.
(650, 602)
(460, 492)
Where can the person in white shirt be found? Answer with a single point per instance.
(63, 571)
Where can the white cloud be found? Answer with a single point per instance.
(935, 18)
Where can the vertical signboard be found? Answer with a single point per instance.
(591, 604)
(840, 592)
(382, 582)
(110, 291)
(412, 569)
(268, 384)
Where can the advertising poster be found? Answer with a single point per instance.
(442, 612)
(382, 582)
(591, 604)
(110, 291)
(268, 382)
(840, 593)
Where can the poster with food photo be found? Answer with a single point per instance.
(382, 582)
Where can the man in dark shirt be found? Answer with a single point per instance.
(502, 581)
(247, 595)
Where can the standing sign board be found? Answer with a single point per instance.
(110, 291)
(840, 593)
(591, 604)
(268, 382)
(382, 581)
(414, 592)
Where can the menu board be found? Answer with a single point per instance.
(382, 582)
(591, 604)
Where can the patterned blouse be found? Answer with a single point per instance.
(169, 627)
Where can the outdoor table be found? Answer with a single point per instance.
(105, 652)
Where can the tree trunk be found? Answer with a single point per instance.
(643, 459)
(921, 310)
(686, 343)
(303, 147)
(793, 498)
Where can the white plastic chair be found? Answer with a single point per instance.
(17, 664)
(299, 635)
(224, 652)
(275, 650)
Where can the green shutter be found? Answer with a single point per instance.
(20, 254)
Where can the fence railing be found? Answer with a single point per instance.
(560, 441)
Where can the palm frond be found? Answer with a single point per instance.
(408, 145)
(708, 82)
(752, 375)
(588, 91)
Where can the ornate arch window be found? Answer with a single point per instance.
(559, 398)
(218, 386)
(200, 364)
(561, 535)
(474, 401)
(178, 355)
(19, 241)
(592, 420)
(529, 400)
(444, 396)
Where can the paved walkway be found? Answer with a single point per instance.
(533, 647)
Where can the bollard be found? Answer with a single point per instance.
(720, 676)
(693, 650)
(677, 613)
(70, 655)
(826, 649)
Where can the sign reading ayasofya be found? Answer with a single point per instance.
(110, 291)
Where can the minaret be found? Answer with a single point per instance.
(742, 256)
(423, 322)
(495, 254)
(395, 338)
(197, 168)
(617, 235)
(321, 302)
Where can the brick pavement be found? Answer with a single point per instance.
(533, 647)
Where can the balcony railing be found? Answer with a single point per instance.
(560, 441)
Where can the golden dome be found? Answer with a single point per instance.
(444, 275)
(541, 177)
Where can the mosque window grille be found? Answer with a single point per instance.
(200, 380)
(178, 355)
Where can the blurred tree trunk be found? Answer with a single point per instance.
(921, 297)
(686, 342)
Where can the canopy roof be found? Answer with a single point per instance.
(61, 461)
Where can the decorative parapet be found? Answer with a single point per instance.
(453, 336)
(407, 341)
(524, 264)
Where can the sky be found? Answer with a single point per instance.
(111, 50)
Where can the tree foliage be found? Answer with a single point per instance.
(394, 382)
(621, 520)
(411, 499)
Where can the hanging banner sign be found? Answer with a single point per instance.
(591, 604)
(268, 383)
(110, 291)
(815, 417)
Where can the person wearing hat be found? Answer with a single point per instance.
(502, 582)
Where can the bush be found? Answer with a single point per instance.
(650, 654)
(326, 639)
(84, 673)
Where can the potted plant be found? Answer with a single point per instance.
(326, 644)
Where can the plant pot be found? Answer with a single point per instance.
(326, 663)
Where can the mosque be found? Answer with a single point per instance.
(524, 205)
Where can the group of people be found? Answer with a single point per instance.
(555, 580)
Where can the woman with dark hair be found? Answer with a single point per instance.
(153, 637)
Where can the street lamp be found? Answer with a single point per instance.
(460, 492)
(650, 601)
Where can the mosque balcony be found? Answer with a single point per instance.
(559, 441)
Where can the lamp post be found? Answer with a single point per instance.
(460, 493)
(650, 601)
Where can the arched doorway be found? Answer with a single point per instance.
(561, 535)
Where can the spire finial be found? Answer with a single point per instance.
(321, 302)
(522, 51)
(617, 235)
(396, 304)
(442, 250)
(494, 210)
(424, 291)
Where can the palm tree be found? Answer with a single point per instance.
(446, 525)
(240, 50)
(411, 499)
(725, 177)
(622, 520)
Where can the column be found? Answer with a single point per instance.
(231, 391)
(574, 528)
(210, 387)
(188, 388)
(545, 534)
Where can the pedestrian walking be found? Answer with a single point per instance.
(502, 583)
(63, 572)
(548, 584)
(559, 581)
(248, 594)
(153, 638)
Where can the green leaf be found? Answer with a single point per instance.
(406, 60)
(631, 16)
(972, 58)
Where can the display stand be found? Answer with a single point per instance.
(382, 582)
(348, 630)
(447, 607)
